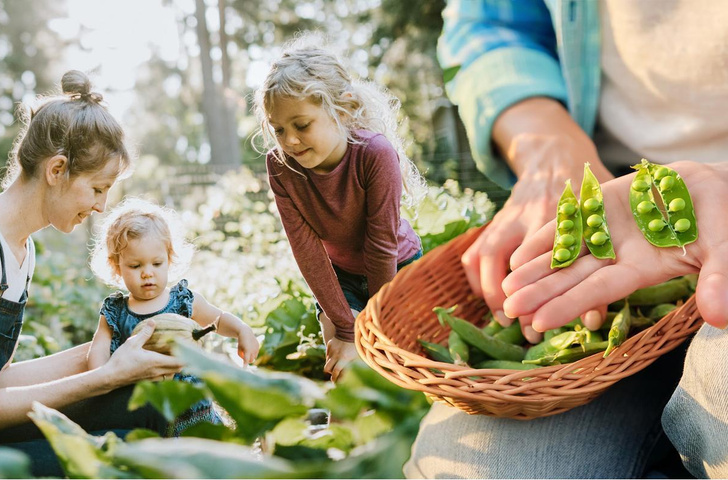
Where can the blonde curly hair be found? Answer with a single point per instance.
(135, 218)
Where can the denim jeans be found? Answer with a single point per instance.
(96, 415)
(696, 417)
(617, 435)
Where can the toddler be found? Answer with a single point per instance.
(139, 247)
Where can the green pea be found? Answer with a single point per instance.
(661, 172)
(562, 254)
(667, 183)
(599, 238)
(567, 209)
(656, 225)
(566, 225)
(645, 207)
(676, 205)
(566, 247)
(640, 185)
(594, 220)
(566, 240)
(592, 204)
(682, 225)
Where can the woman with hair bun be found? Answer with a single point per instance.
(69, 154)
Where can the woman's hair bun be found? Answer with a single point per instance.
(76, 84)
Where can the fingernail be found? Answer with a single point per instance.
(532, 335)
(502, 318)
(592, 320)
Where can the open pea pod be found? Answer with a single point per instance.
(593, 217)
(567, 239)
(646, 213)
(678, 204)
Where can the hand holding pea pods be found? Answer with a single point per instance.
(554, 297)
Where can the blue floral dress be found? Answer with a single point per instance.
(122, 321)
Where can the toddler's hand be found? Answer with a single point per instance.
(248, 345)
(338, 355)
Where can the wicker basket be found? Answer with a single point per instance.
(401, 312)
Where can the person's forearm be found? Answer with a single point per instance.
(525, 132)
(18, 401)
(46, 369)
(229, 325)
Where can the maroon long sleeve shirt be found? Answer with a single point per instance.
(349, 217)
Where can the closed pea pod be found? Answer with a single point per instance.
(567, 239)
(594, 219)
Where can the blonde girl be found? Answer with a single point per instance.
(141, 247)
(338, 172)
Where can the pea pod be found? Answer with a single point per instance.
(436, 351)
(505, 365)
(567, 239)
(665, 292)
(458, 349)
(496, 348)
(492, 327)
(593, 217)
(619, 330)
(549, 334)
(677, 226)
(569, 355)
(660, 310)
(511, 334)
(552, 345)
(677, 202)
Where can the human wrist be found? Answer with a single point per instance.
(539, 131)
(106, 379)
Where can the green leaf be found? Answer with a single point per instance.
(14, 464)
(372, 425)
(81, 455)
(200, 458)
(140, 434)
(171, 397)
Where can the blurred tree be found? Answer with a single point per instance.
(29, 52)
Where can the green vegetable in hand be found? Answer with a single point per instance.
(677, 226)
(567, 240)
(594, 218)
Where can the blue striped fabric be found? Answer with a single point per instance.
(495, 53)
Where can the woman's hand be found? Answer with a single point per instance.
(248, 345)
(554, 297)
(131, 363)
(338, 355)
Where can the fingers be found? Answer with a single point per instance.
(593, 319)
(527, 274)
(471, 264)
(712, 290)
(535, 292)
(604, 286)
(534, 246)
(144, 335)
(531, 335)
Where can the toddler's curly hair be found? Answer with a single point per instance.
(135, 218)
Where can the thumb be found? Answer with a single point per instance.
(712, 291)
(143, 335)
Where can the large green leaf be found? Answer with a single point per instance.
(81, 455)
(171, 398)
(200, 458)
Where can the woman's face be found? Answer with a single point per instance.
(78, 197)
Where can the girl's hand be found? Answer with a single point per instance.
(338, 355)
(130, 363)
(248, 345)
(554, 297)
(544, 163)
